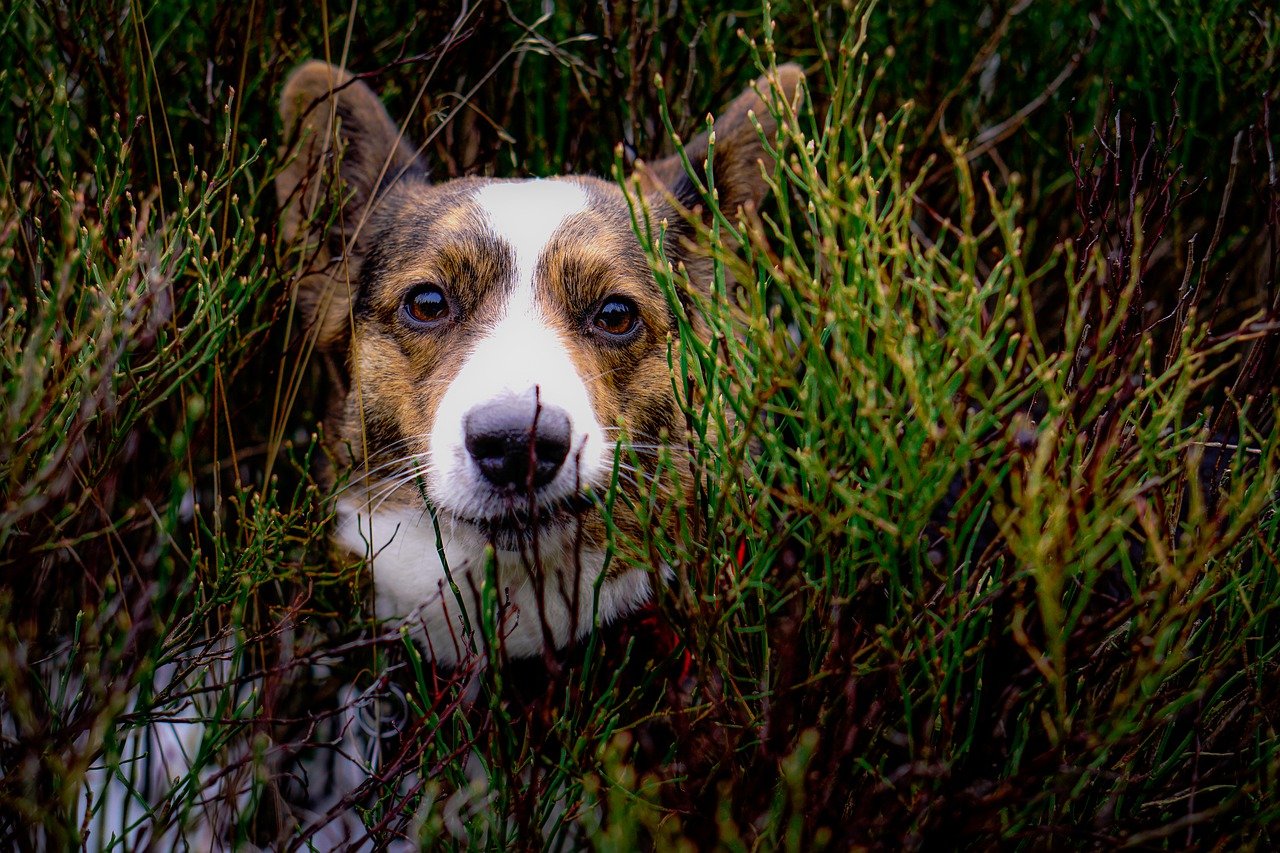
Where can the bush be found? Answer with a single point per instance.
(985, 440)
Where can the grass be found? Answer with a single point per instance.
(985, 437)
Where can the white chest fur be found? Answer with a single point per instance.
(411, 584)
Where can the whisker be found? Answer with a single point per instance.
(391, 486)
(400, 460)
(387, 495)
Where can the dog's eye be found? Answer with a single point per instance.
(617, 317)
(425, 303)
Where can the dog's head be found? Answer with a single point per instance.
(494, 343)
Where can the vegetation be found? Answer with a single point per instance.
(990, 555)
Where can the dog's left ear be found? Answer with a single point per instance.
(346, 158)
(738, 151)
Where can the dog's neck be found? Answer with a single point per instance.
(442, 582)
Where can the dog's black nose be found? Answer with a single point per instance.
(516, 439)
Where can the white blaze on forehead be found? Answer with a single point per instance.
(526, 214)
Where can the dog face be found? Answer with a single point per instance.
(499, 351)
(505, 331)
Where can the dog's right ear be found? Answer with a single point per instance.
(739, 150)
(343, 153)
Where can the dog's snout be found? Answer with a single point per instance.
(516, 441)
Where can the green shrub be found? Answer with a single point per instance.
(985, 435)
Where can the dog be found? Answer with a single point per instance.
(498, 357)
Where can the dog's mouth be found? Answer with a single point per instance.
(518, 524)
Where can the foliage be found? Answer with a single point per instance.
(985, 436)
